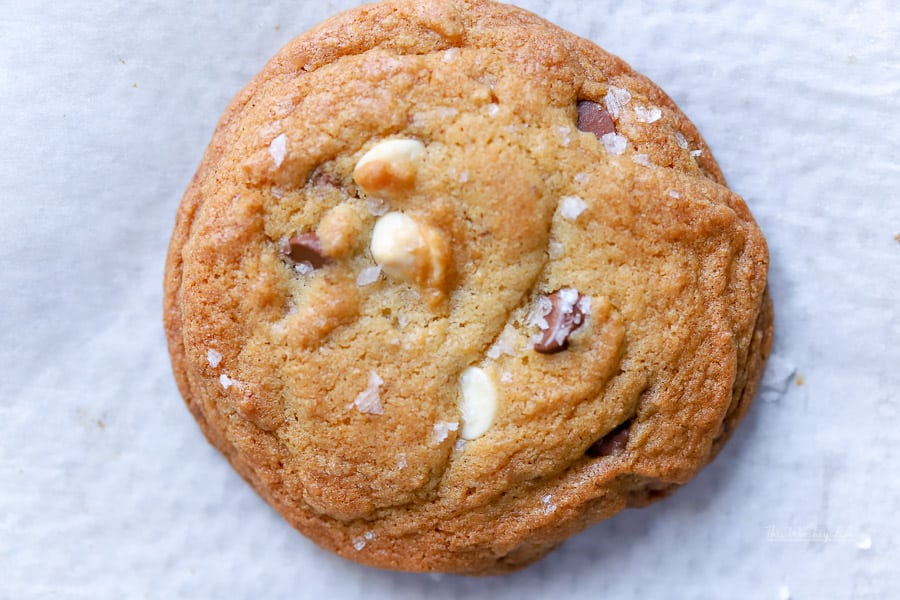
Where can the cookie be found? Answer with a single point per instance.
(452, 284)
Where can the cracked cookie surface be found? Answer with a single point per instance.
(451, 284)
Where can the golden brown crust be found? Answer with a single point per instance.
(273, 362)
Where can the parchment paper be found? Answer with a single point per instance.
(107, 487)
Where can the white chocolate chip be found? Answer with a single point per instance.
(408, 250)
(388, 164)
(479, 402)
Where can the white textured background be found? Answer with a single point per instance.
(107, 488)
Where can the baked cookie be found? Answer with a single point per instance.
(452, 284)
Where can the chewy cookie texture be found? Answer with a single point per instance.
(452, 284)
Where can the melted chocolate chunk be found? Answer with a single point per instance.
(305, 248)
(563, 318)
(613, 442)
(593, 118)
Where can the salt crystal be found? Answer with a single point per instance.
(304, 268)
(571, 207)
(584, 305)
(459, 445)
(368, 276)
(614, 143)
(278, 149)
(565, 135)
(442, 430)
(226, 381)
(567, 298)
(582, 178)
(369, 400)
(213, 358)
(493, 109)
(643, 160)
(450, 54)
(506, 377)
(549, 507)
(464, 177)
(369, 535)
(696, 153)
(359, 543)
(500, 347)
(681, 140)
(674, 194)
(556, 250)
(647, 115)
(537, 317)
(377, 207)
(401, 462)
(865, 543)
(616, 99)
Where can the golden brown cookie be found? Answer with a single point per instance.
(452, 284)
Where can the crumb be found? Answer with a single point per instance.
(800, 380)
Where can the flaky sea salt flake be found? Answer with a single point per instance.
(377, 207)
(681, 140)
(213, 357)
(614, 143)
(359, 543)
(674, 194)
(369, 400)
(616, 99)
(647, 115)
(442, 430)
(278, 149)
(643, 160)
(571, 207)
(368, 276)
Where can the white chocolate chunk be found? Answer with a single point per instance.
(408, 250)
(479, 402)
(388, 164)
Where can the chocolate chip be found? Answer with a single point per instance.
(611, 443)
(593, 118)
(305, 248)
(561, 315)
